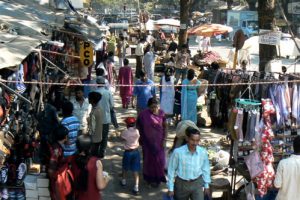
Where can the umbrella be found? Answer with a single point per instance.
(169, 22)
(208, 30)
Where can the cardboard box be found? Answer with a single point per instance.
(43, 192)
(30, 182)
(42, 182)
(32, 194)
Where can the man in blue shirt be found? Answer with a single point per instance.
(73, 125)
(143, 91)
(189, 169)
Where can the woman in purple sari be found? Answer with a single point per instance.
(153, 130)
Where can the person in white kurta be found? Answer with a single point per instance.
(167, 93)
(199, 40)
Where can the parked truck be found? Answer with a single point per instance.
(243, 19)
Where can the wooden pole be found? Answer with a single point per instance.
(235, 58)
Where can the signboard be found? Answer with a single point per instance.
(294, 8)
(86, 54)
(269, 37)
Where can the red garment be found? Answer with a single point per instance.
(25, 69)
(92, 192)
(265, 179)
(55, 162)
(125, 78)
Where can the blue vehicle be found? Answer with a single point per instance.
(243, 19)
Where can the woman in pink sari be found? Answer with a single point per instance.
(152, 125)
(125, 78)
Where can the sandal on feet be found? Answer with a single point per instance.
(22, 169)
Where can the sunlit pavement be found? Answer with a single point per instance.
(113, 159)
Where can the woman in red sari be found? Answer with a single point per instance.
(153, 132)
(125, 78)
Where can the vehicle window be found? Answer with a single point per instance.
(244, 24)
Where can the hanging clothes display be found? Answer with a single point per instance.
(265, 179)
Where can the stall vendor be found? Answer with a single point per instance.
(197, 58)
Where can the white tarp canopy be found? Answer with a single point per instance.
(150, 25)
(168, 22)
(28, 18)
(15, 48)
(287, 46)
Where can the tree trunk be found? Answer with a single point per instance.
(251, 4)
(266, 10)
(184, 19)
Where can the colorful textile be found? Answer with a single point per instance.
(152, 135)
(265, 179)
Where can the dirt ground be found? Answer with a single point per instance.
(113, 159)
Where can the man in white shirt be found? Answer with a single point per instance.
(287, 178)
(139, 52)
(106, 103)
(81, 110)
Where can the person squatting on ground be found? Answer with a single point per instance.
(189, 170)
(131, 158)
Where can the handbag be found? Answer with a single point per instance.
(254, 164)
(64, 182)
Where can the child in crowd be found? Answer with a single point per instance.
(57, 160)
(131, 157)
(177, 103)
